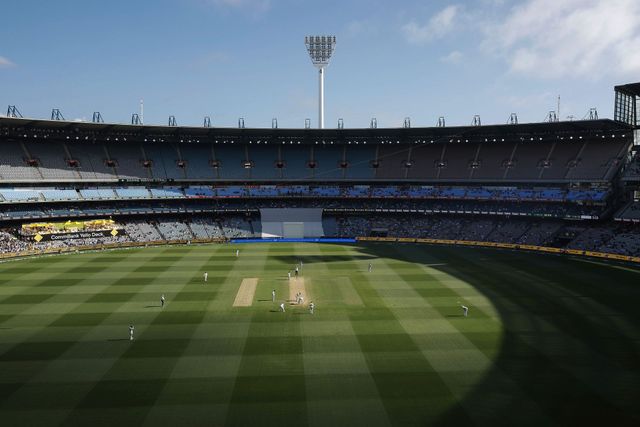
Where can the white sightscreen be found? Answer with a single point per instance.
(293, 230)
(291, 223)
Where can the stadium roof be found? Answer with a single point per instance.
(632, 89)
(10, 126)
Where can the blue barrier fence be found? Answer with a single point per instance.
(289, 240)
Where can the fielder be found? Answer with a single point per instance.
(131, 328)
(162, 301)
(237, 253)
(206, 276)
(297, 271)
(289, 274)
(282, 307)
(273, 295)
(465, 310)
(370, 267)
(312, 306)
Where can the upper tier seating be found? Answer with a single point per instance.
(199, 191)
(167, 192)
(60, 194)
(263, 191)
(19, 194)
(491, 161)
(52, 160)
(13, 163)
(319, 191)
(97, 193)
(133, 193)
(231, 191)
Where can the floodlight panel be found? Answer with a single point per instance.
(320, 49)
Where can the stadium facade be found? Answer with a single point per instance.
(559, 184)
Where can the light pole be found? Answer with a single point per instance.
(320, 49)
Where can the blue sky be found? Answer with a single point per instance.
(246, 58)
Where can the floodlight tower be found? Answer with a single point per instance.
(320, 49)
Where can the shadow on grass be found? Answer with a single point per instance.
(311, 259)
(556, 314)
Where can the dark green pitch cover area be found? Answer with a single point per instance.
(548, 341)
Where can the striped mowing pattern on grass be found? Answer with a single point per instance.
(548, 340)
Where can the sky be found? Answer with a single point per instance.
(246, 58)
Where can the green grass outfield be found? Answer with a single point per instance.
(549, 340)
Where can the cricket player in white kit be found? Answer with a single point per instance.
(162, 301)
(237, 252)
(131, 328)
(282, 307)
(273, 295)
(206, 276)
(289, 274)
(312, 307)
(465, 310)
(370, 267)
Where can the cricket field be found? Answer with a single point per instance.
(549, 340)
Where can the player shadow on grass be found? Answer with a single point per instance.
(118, 339)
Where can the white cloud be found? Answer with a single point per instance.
(494, 2)
(5, 62)
(453, 57)
(556, 38)
(437, 27)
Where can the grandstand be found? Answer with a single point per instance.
(523, 183)
(43, 150)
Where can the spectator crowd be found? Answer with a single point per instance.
(611, 237)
